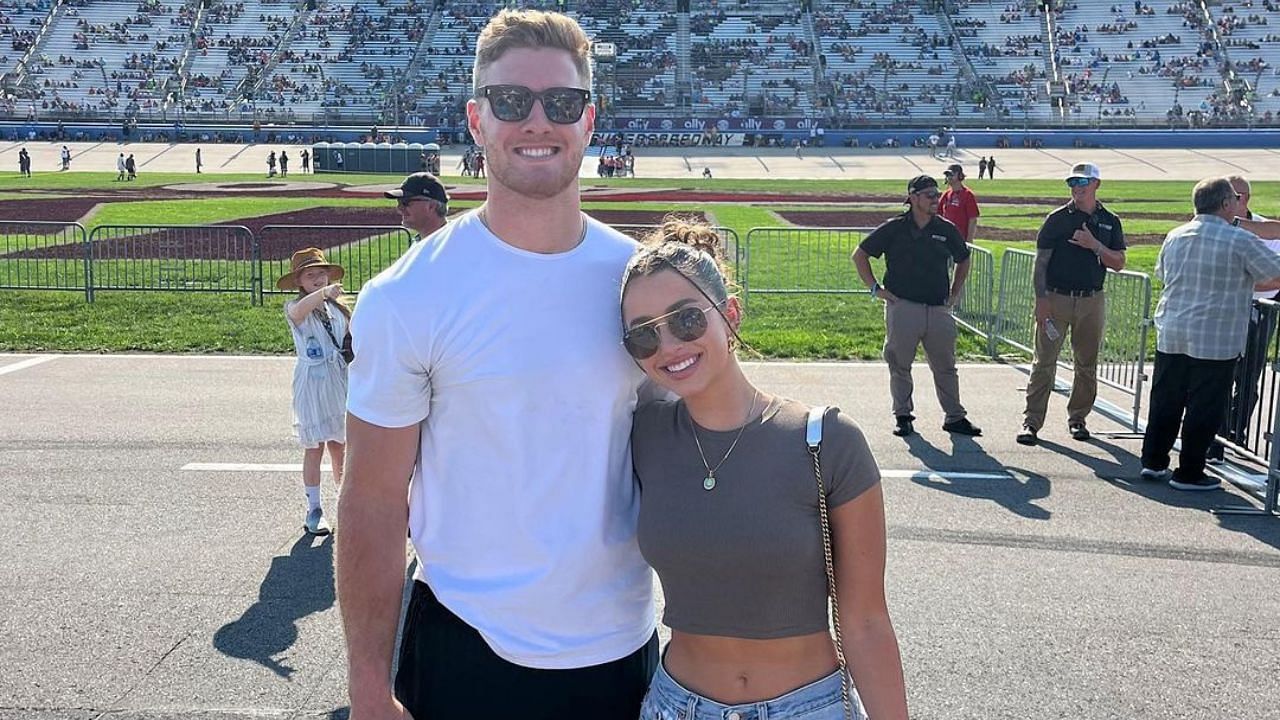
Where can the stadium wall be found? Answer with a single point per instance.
(988, 139)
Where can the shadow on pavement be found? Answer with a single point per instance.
(1017, 494)
(297, 585)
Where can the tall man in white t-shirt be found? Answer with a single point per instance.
(489, 367)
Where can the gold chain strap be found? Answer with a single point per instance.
(831, 584)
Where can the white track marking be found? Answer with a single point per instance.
(24, 364)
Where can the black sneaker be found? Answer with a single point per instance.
(904, 426)
(1078, 431)
(1204, 482)
(962, 427)
(1028, 436)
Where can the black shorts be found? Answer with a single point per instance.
(448, 672)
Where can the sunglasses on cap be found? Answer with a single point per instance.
(513, 103)
(1078, 181)
(686, 325)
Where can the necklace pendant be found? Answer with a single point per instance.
(709, 483)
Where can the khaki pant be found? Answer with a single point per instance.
(1084, 318)
(907, 325)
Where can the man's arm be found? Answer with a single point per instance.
(862, 261)
(1113, 259)
(1040, 280)
(1265, 229)
(957, 283)
(370, 563)
(972, 233)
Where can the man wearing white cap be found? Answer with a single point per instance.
(1077, 243)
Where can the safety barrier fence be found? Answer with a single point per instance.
(1252, 422)
(801, 260)
(1122, 358)
(735, 252)
(41, 255)
(230, 259)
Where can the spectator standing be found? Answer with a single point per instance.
(66, 158)
(338, 160)
(284, 163)
(317, 319)
(479, 163)
(131, 167)
(1076, 246)
(122, 168)
(199, 161)
(958, 204)
(991, 167)
(917, 247)
(951, 144)
(1244, 397)
(982, 167)
(1210, 271)
(271, 164)
(423, 203)
(24, 162)
(306, 161)
(531, 597)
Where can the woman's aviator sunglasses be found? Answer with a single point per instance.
(686, 325)
(513, 103)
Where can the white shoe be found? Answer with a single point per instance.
(1156, 475)
(316, 524)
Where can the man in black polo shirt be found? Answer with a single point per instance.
(919, 293)
(1076, 245)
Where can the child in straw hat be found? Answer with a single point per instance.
(318, 322)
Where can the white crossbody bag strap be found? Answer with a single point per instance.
(813, 438)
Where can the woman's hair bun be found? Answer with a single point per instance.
(694, 233)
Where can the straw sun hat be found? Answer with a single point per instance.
(308, 258)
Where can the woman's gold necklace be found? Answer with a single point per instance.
(709, 482)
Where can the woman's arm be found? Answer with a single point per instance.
(302, 308)
(870, 645)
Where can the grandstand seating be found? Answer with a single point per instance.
(1006, 44)
(110, 58)
(853, 61)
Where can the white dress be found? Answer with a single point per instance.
(319, 379)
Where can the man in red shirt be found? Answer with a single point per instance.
(958, 204)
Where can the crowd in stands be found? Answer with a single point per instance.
(851, 62)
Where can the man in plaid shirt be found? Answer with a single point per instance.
(1210, 269)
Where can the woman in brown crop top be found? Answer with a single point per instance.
(729, 515)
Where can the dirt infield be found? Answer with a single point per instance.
(860, 219)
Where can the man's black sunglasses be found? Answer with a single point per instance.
(513, 103)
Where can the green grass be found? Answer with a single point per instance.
(846, 326)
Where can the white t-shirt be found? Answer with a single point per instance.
(523, 504)
(1274, 246)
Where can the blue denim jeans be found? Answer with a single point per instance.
(819, 700)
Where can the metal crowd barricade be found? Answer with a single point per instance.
(735, 253)
(362, 250)
(189, 258)
(1123, 356)
(1253, 422)
(977, 309)
(801, 260)
(41, 255)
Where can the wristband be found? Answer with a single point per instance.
(1235, 222)
(875, 288)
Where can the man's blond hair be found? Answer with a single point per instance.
(511, 29)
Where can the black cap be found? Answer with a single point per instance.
(422, 184)
(921, 182)
(954, 169)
